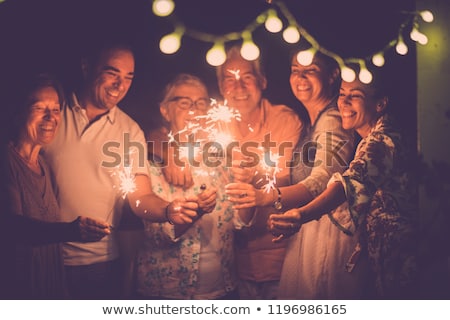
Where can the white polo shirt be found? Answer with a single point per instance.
(86, 161)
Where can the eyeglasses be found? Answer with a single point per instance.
(186, 103)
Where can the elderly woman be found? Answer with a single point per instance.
(378, 193)
(194, 261)
(32, 215)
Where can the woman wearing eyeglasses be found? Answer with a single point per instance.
(194, 261)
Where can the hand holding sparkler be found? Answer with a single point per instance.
(284, 225)
(242, 195)
(207, 199)
(182, 210)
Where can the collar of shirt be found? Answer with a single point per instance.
(76, 107)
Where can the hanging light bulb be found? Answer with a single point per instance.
(427, 15)
(347, 74)
(249, 50)
(216, 56)
(171, 42)
(378, 59)
(291, 34)
(401, 47)
(273, 23)
(418, 36)
(364, 74)
(305, 57)
(163, 8)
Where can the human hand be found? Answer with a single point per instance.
(245, 195)
(207, 200)
(284, 225)
(90, 229)
(182, 210)
(242, 173)
(178, 176)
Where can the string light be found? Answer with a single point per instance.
(171, 43)
(426, 15)
(249, 49)
(378, 59)
(293, 34)
(306, 57)
(273, 23)
(216, 56)
(418, 36)
(162, 8)
(364, 74)
(401, 47)
(347, 74)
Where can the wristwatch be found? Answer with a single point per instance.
(277, 204)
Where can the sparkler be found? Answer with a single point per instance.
(127, 181)
(269, 172)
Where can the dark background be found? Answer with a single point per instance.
(51, 34)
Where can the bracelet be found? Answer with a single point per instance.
(167, 214)
(277, 204)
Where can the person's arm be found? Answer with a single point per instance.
(206, 204)
(284, 225)
(27, 230)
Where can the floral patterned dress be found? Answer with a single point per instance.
(380, 199)
(181, 268)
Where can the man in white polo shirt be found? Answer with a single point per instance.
(96, 146)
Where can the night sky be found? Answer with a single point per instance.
(51, 34)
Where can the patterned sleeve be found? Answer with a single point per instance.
(160, 233)
(373, 164)
(334, 147)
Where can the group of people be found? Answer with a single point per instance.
(332, 220)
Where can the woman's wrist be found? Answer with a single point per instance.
(167, 213)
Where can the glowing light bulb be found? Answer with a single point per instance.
(291, 34)
(216, 56)
(365, 76)
(273, 23)
(427, 15)
(163, 8)
(306, 57)
(418, 36)
(347, 74)
(249, 50)
(423, 39)
(401, 47)
(170, 43)
(378, 59)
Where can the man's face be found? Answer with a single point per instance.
(111, 78)
(240, 86)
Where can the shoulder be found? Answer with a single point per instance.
(330, 118)
(330, 121)
(280, 114)
(124, 119)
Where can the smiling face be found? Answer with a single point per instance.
(241, 85)
(184, 103)
(43, 116)
(359, 106)
(109, 80)
(311, 84)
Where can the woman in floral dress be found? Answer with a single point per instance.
(378, 192)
